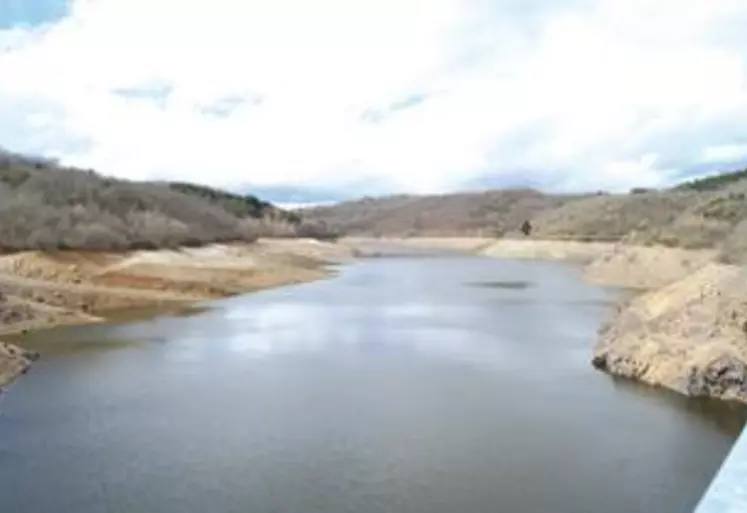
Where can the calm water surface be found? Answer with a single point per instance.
(404, 385)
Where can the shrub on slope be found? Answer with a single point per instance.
(714, 182)
(239, 205)
(471, 213)
(48, 207)
(610, 218)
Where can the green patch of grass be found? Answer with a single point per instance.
(714, 182)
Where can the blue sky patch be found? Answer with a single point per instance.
(224, 107)
(14, 13)
(345, 190)
(158, 94)
(407, 102)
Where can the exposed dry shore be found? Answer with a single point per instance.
(686, 330)
(14, 361)
(42, 289)
(370, 246)
(689, 336)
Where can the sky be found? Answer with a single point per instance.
(319, 101)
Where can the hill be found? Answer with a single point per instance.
(46, 206)
(714, 182)
(485, 213)
(705, 213)
(242, 206)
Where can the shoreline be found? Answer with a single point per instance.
(684, 328)
(43, 290)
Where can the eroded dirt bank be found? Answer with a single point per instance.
(645, 267)
(685, 330)
(14, 361)
(379, 246)
(42, 289)
(547, 250)
(689, 336)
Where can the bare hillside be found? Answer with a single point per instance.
(610, 218)
(706, 213)
(488, 213)
(713, 218)
(45, 206)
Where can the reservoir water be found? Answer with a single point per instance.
(413, 385)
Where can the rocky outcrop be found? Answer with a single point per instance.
(690, 336)
(14, 361)
(687, 328)
(724, 377)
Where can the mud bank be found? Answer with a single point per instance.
(689, 336)
(686, 330)
(380, 246)
(618, 265)
(14, 361)
(547, 250)
(44, 289)
(645, 267)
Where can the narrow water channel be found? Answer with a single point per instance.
(423, 385)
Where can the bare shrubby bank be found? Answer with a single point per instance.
(707, 213)
(44, 206)
(270, 228)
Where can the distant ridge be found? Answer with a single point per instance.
(706, 213)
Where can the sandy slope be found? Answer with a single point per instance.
(39, 289)
(387, 245)
(547, 249)
(686, 331)
(621, 265)
(643, 267)
(690, 336)
(14, 361)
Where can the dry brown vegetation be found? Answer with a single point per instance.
(710, 213)
(685, 330)
(487, 213)
(45, 206)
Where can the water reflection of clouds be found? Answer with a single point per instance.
(279, 328)
(444, 329)
(454, 344)
(380, 329)
(412, 310)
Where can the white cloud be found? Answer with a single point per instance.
(583, 94)
(724, 153)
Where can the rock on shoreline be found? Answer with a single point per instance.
(686, 330)
(14, 361)
(690, 336)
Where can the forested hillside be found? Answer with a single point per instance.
(46, 206)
